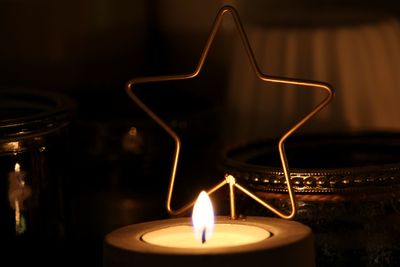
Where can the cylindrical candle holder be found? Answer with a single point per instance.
(347, 190)
(285, 243)
(34, 141)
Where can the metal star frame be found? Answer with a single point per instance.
(229, 179)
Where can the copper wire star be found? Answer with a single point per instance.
(229, 179)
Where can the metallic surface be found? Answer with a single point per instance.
(321, 164)
(266, 78)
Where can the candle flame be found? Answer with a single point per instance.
(203, 218)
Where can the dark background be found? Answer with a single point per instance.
(88, 50)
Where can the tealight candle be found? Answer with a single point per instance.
(269, 241)
(156, 243)
(226, 235)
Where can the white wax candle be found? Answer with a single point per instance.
(154, 244)
(225, 235)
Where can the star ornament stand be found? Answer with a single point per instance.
(229, 180)
(234, 242)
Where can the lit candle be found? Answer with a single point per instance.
(201, 235)
(269, 241)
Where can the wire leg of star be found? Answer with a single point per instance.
(229, 179)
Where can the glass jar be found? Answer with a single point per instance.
(347, 188)
(33, 167)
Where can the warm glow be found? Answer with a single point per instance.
(203, 218)
(17, 168)
(12, 146)
(132, 131)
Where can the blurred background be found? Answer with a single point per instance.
(116, 167)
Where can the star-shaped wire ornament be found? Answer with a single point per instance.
(229, 179)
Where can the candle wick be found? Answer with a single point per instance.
(203, 236)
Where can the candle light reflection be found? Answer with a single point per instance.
(18, 191)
